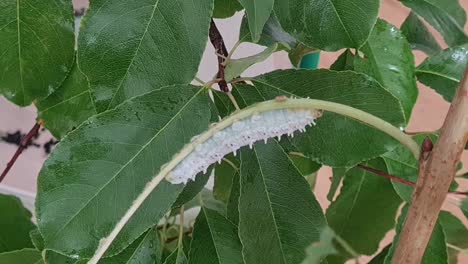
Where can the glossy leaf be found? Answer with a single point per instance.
(235, 67)
(316, 252)
(328, 24)
(335, 140)
(436, 251)
(23, 256)
(95, 173)
(389, 59)
(258, 12)
(456, 234)
(224, 177)
(272, 33)
(128, 48)
(278, 214)
(447, 16)
(215, 240)
(443, 71)
(15, 224)
(418, 35)
(68, 106)
(365, 200)
(226, 8)
(36, 51)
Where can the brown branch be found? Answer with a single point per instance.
(220, 48)
(24, 143)
(437, 169)
(398, 179)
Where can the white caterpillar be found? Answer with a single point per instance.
(247, 131)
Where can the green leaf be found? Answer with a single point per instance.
(68, 106)
(328, 24)
(436, 251)
(389, 59)
(380, 258)
(23, 256)
(305, 165)
(97, 170)
(128, 48)
(418, 35)
(365, 200)
(192, 189)
(278, 213)
(215, 240)
(258, 12)
(335, 140)
(37, 48)
(456, 234)
(177, 257)
(272, 33)
(447, 16)
(146, 249)
(444, 70)
(204, 198)
(224, 177)
(15, 224)
(321, 249)
(226, 8)
(464, 206)
(235, 67)
(232, 207)
(344, 62)
(37, 239)
(338, 175)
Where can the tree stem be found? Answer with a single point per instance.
(436, 172)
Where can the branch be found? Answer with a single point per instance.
(398, 179)
(24, 143)
(437, 169)
(220, 48)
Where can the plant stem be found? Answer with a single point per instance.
(24, 143)
(233, 100)
(280, 103)
(220, 48)
(181, 226)
(437, 169)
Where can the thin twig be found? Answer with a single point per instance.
(398, 179)
(220, 48)
(25, 142)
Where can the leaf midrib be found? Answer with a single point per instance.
(135, 53)
(128, 163)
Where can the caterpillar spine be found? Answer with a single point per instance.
(247, 131)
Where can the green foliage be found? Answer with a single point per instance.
(278, 213)
(365, 200)
(15, 224)
(328, 24)
(456, 234)
(444, 70)
(447, 16)
(258, 12)
(121, 102)
(418, 35)
(388, 58)
(36, 50)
